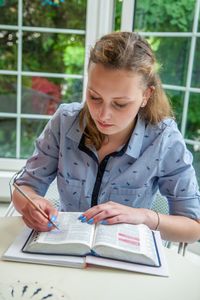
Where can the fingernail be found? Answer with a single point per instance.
(53, 218)
(90, 221)
(84, 219)
(104, 222)
(80, 217)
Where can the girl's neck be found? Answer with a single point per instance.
(119, 139)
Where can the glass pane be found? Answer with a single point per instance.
(164, 16)
(8, 93)
(73, 90)
(66, 14)
(43, 95)
(118, 12)
(8, 49)
(176, 99)
(193, 119)
(58, 53)
(199, 26)
(30, 130)
(196, 161)
(196, 66)
(7, 137)
(9, 12)
(172, 54)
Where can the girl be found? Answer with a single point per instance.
(111, 154)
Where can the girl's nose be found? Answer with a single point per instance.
(105, 113)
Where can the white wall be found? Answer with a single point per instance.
(8, 167)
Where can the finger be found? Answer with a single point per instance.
(104, 215)
(47, 208)
(35, 226)
(114, 220)
(97, 209)
(51, 211)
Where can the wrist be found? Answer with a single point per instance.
(152, 219)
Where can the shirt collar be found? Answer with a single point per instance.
(136, 139)
(135, 142)
(74, 132)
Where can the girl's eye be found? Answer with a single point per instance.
(120, 105)
(95, 98)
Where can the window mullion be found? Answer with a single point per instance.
(19, 78)
(127, 17)
(99, 21)
(190, 68)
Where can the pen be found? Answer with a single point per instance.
(34, 205)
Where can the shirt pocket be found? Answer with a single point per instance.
(133, 197)
(71, 191)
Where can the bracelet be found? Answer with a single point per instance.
(158, 223)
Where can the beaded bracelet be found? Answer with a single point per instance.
(158, 223)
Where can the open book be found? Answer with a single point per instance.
(125, 242)
(122, 246)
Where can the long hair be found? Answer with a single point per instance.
(128, 51)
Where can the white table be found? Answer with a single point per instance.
(98, 283)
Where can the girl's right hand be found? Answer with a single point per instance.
(34, 219)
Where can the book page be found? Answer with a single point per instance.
(70, 230)
(124, 236)
(126, 242)
(148, 243)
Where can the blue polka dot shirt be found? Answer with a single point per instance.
(155, 158)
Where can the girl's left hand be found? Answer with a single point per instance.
(113, 213)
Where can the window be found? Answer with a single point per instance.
(173, 30)
(42, 64)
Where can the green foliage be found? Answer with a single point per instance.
(159, 15)
(74, 58)
(173, 53)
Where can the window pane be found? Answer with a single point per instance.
(9, 12)
(7, 137)
(193, 119)
(196, 161)
(196, 66)
(54, 53)
(8, 49)
(172, 54)
(176, 99)
(73, 90)
(8, 93)
(67, 14)
(30, 130)
(164, 16)
(43, 95)
(118, 12)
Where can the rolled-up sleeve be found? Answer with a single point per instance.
(177, 179)
(41, 168)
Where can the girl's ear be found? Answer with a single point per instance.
(147, 94)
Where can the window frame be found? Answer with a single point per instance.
(127, 20)
(99, 21)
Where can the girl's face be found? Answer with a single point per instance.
(114, 98)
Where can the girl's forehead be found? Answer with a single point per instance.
(102, 72)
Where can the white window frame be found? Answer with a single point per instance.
(99, 21)
(128, 7)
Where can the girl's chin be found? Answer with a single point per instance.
(107, 131)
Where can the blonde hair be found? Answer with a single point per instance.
(128, 51)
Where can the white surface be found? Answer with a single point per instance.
(100, 283)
